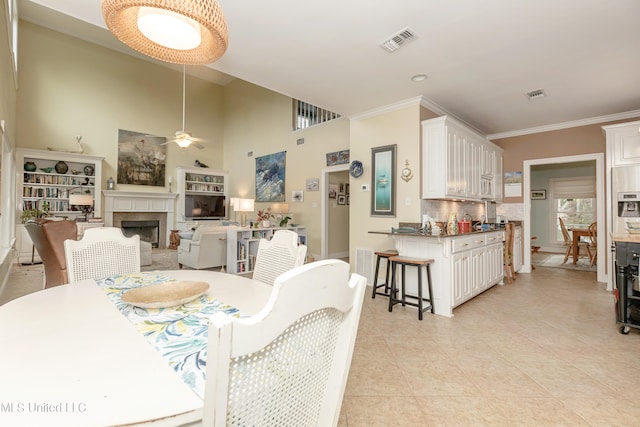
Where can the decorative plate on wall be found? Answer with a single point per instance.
(356, 169)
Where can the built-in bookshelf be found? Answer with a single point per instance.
(242, 246)
(50, 177)
(199, 182)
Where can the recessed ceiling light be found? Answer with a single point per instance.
(419, 77)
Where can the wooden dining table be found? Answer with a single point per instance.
(577, 233)
(75, 355)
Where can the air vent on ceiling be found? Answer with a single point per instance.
(398, 40)
(535, 94)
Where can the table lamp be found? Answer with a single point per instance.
(281, 210)
(244, 206)
(83, 200)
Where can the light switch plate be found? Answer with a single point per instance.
(365, 187)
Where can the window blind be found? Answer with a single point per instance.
(574, 188)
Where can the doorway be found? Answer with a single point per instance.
(600, 204)
(334, 217)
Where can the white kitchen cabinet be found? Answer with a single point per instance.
(623, 143)
(517, 248)
(458, 163)
(464, 265)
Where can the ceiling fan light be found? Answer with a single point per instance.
(183, 142)
(122, 16)
(168, 28)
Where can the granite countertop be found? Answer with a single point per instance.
(625, 237)
(442, 234)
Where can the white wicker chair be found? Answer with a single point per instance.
(102, 252)
(288, 364)
(278, 255)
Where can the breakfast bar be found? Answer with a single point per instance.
(465, 264)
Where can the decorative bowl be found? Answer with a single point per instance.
(633, 225)
(46, 170)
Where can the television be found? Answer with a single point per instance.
(204, 206)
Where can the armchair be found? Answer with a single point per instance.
(48, 237)
(206, 249)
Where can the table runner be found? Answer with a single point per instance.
(178, 333)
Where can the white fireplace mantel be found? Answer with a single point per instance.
(135, 201)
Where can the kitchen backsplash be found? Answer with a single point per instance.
(513, 211)
(441, 209)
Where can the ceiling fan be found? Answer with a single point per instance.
(183, 138)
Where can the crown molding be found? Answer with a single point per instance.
(411, 102)
(567, 125)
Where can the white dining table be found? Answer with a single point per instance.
(69, 357)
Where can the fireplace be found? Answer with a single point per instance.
(137, 207)
(149, 231)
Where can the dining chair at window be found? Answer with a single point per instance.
(592, 243)
(102, 252)
(288, 364)
(48, 239)
(568, 241)
(278, 255)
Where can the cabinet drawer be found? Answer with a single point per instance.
(493, 238)
(467, 243)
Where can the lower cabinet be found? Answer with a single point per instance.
(474, 270)
(464, 265)
(517, 248)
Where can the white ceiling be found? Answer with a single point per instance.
(481, 56)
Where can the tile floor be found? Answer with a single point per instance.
(544, 351)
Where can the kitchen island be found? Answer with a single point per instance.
(465, 264)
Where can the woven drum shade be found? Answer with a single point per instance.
(121, 17)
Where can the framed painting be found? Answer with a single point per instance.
(333, 191)
(383, 181)
(270, 173)
(538, 194)
(338, 158)
(141, 158)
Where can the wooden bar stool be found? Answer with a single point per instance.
(387, 285)
(412, 262)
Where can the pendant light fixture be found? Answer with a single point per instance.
(192, 32)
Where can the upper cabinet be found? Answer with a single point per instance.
(458, 163)
(623, 143)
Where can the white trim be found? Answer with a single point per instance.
(600, 208)
(566, 125)
(387, 108)
(324, 207)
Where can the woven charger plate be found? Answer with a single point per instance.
(165, 294)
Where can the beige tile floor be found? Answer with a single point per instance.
(544, 351)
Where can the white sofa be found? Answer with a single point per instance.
(206, 249)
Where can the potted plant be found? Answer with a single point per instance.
(285, 221)
(265, 216)
(28, 214)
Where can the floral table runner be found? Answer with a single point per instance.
(178, 333)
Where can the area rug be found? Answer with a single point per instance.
(555, 261)
(167, 259)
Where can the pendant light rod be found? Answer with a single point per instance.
(184, 90)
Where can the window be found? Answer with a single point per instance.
(306, 115)
(574, 200)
